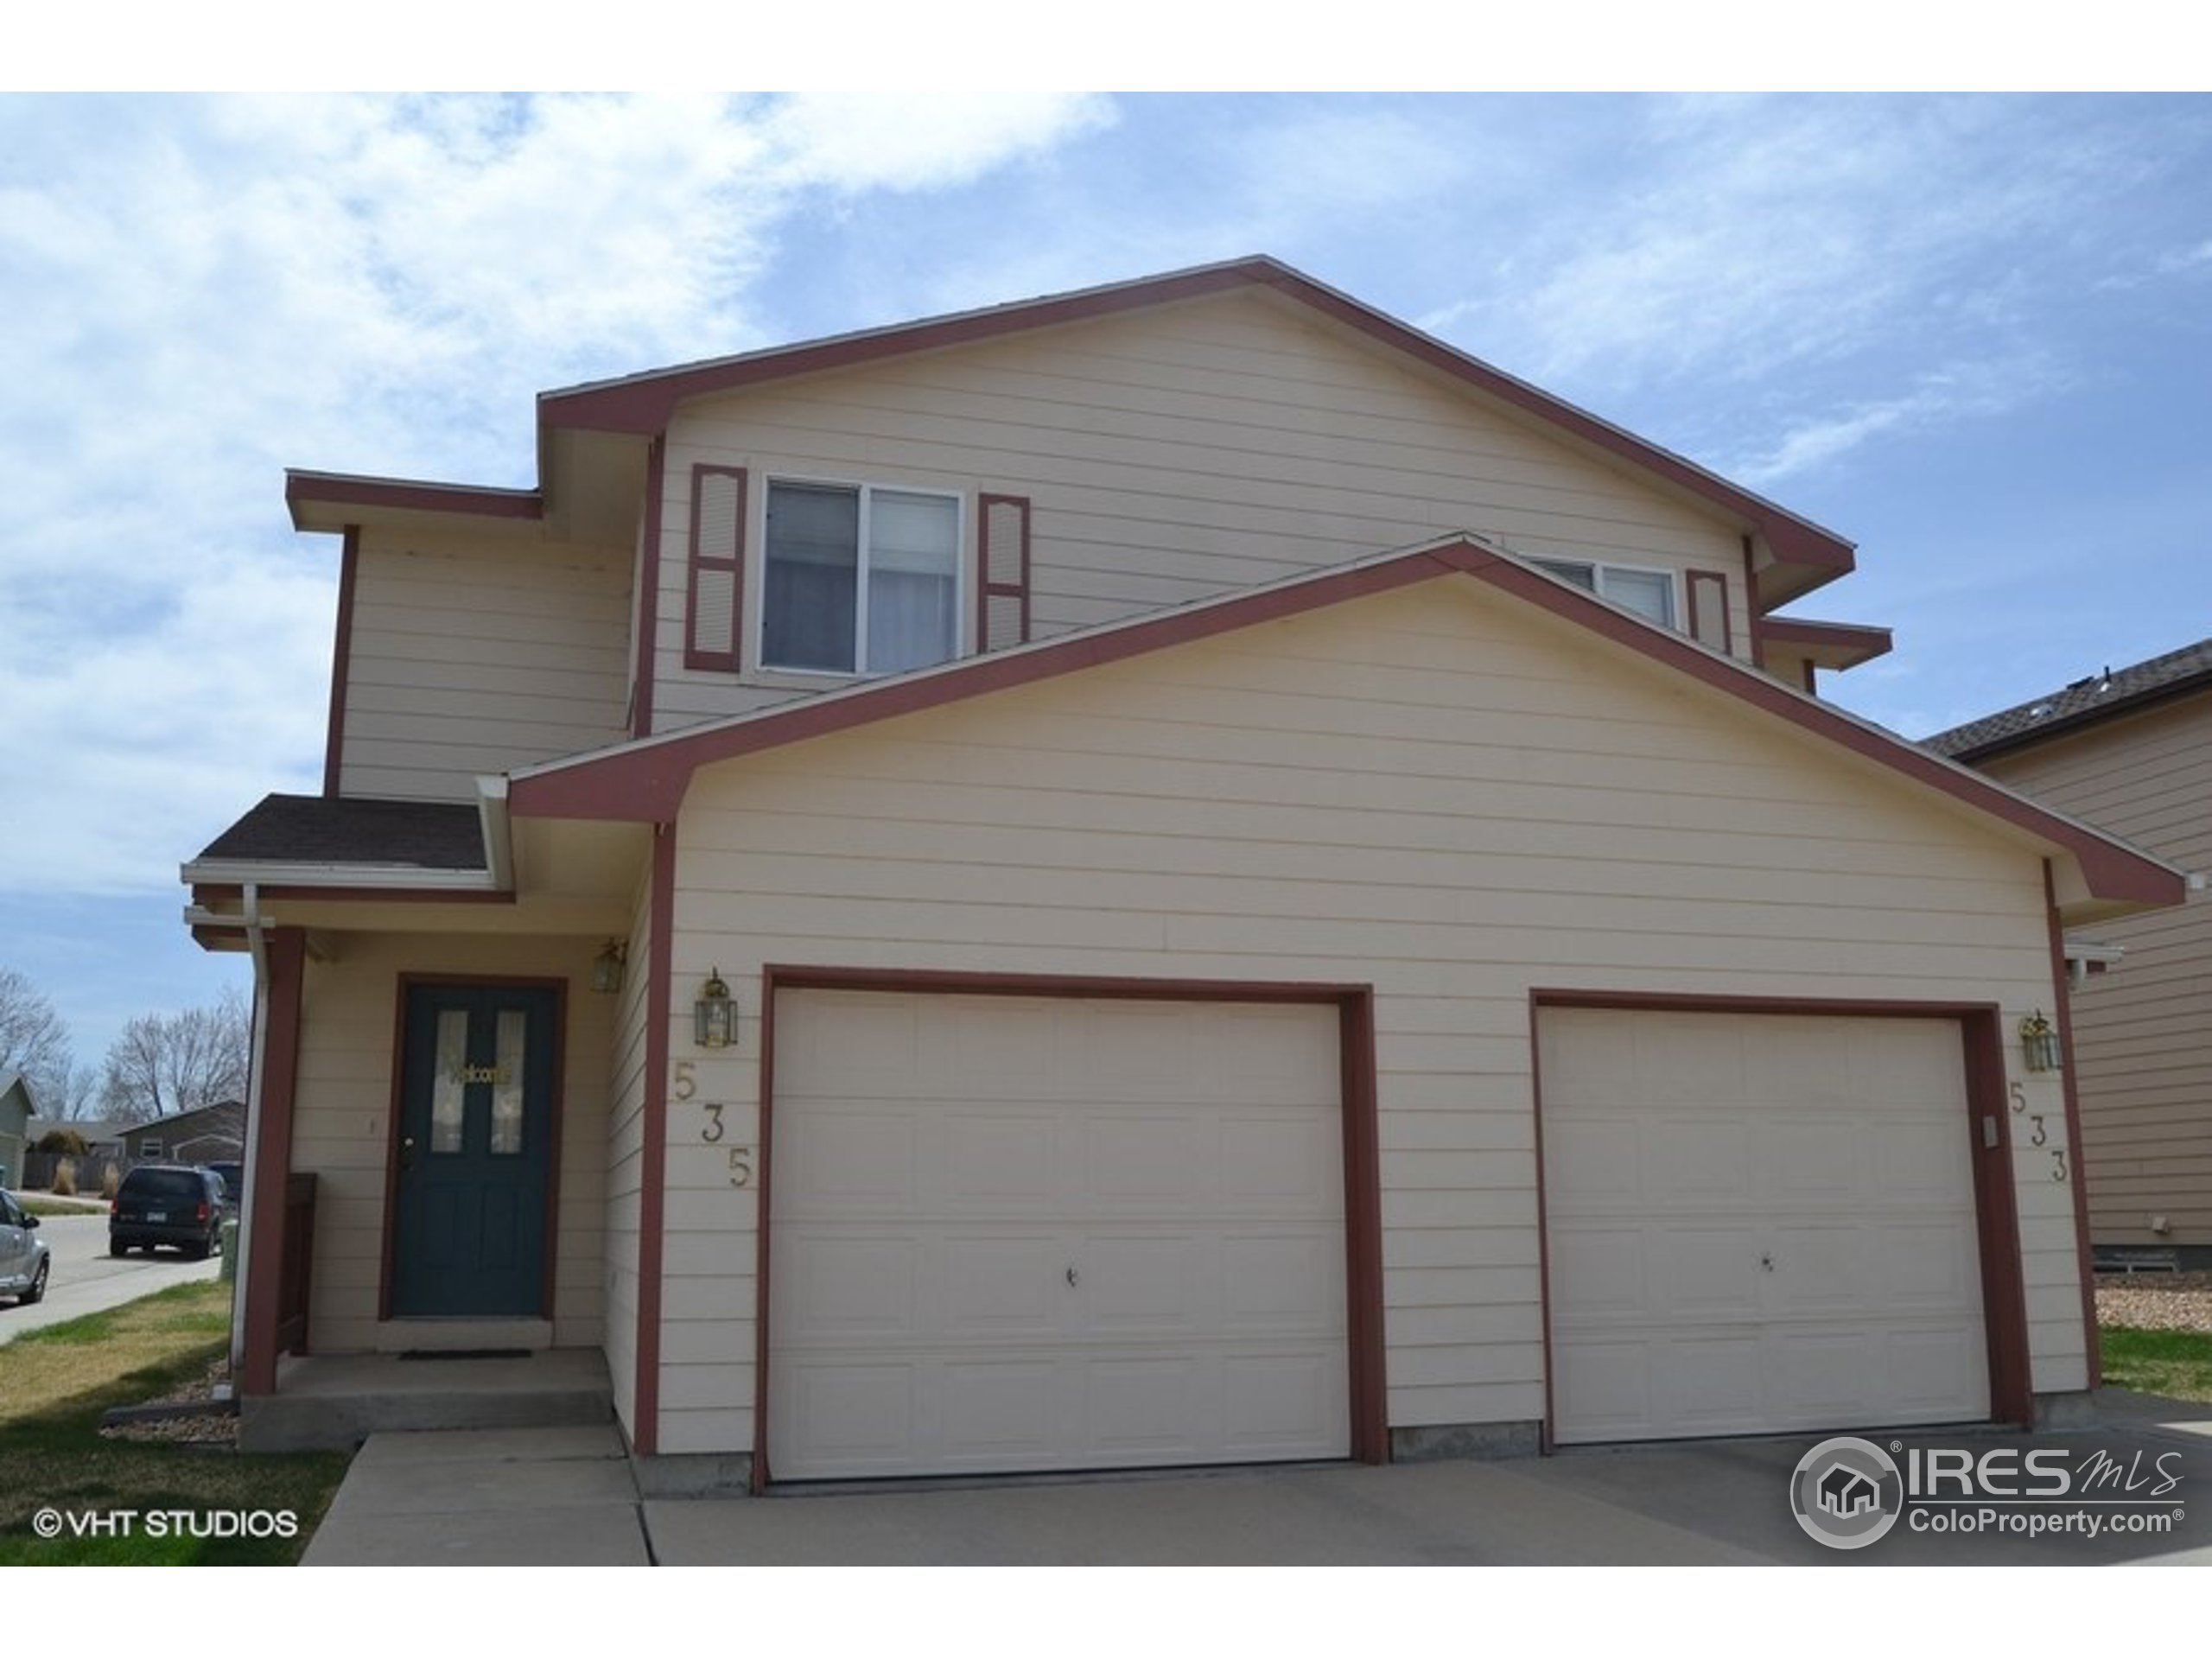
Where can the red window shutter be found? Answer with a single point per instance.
(1709, 610)
(715, 582)
(1002, 550)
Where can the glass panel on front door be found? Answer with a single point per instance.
(474, 1176)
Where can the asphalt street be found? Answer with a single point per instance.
(86, 1279)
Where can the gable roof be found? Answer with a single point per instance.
(2084, 703)
(641, 404)
(645, 780)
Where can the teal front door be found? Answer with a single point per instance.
(475, 1153)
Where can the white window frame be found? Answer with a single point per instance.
(962, 597)
(1677, 611)
(150, 1147)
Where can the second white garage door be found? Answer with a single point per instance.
(1757, 1224)
(1015, 1233)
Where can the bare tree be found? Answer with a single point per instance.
(33, 1041)
(167, 1063)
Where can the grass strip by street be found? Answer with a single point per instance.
(2175, 1363)
(36, 1204)
(61, 1379)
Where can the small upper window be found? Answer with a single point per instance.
(150, 1147)
(1650, 593)
(859, 580)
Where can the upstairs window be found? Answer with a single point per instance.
(1650, 593)
(859, 579)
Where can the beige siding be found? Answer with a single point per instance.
(2143, 1032)
(341, 1123)
(476, 657)
(1441, 791)
(1171, 456)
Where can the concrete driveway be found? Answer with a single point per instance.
(86, 1279)
(564, 1496)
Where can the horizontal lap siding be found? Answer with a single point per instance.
(341, 1121)
(469, 658)
(1280, 831)
(623, 1149)
(2143, 1031)
(1172, 456)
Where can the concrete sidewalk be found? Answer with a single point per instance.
(485, 1497)
(565, 1496)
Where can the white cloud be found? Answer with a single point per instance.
(200, 292)
(1961, 391)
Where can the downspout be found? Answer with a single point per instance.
(256, 946)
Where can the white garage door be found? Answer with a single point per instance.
(1012, 1233)
(1757, 1224)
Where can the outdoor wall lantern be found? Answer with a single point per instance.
(714, 1016)
(2039, 1043)
(606, 968)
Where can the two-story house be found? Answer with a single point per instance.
(1281, 893)
(2132, 748)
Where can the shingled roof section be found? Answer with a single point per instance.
(2085, 701)
(318, 830)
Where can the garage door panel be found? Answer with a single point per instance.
(1745, 1245)
(1598, 1272)
(1707, 1272)
(1107, 1258)
(847, 1160)
(1162, 1161)
(1001, 1163)
(997, 1286)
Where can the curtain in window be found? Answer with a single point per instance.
(1648, 593)
(913, 585)
(812, 580)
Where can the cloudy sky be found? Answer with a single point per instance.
(1973, 335)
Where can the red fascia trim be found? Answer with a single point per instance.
(342, 658)
(286, 955)
(649, 783)
(2062, 997)
(641, 694)
(644, 403)
(652, 1157)
(303, 489)
(1369, 1401)
(2004, 1285)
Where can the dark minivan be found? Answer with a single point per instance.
(161, 1203)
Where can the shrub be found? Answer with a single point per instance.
(65, 1179)
(111, 1181)
(63, 1141)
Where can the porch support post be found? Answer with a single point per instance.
(279, 1050)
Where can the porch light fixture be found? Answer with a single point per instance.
(606, 968)
(2039, 1043)
(714, 1016)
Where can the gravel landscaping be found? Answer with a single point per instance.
(2156, 1301)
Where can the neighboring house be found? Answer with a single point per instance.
(206, 1135)
(2133, 750)
(1281, 893)
(15, 1119)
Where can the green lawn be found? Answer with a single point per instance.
(2175, 1363)
(38, 1203)
(57, 1383)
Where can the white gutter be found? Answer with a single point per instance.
(499, 831)
(228, 872)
